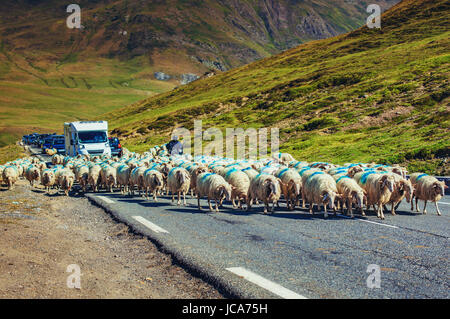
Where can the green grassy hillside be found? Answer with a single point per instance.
(369, 95)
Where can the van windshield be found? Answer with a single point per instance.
(92, 137)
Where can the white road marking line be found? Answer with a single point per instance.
(367, 221)
(106, 199)
(443, 203)
(265, 283)
(150, 225)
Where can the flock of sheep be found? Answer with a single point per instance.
(334, 187)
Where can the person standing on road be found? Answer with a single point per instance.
(175, 147)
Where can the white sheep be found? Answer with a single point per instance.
(214, 187)
(108, 175)
(32, 174)
(240, 183)
(291, 185)
(427, 188)
(378, 187)
(65, 181)
(320, 188)
(153, 182)
(48, 179)
(10, 175)
(264, 187)
(402, 189)
(123, 177)
(94, 177)
(350, 193)
(178, 182)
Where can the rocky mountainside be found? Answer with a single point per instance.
(176, 36)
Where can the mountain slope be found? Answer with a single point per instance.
(369, 95)
(54, 74)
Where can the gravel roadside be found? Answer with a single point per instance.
(41, 235)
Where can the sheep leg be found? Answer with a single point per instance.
(437, 209)
(249, 203)
(417, 206)
(233, 202)
(303, 202)
(217, 206)
(179, 200)
(325, 212)
(311, 208)
(273, 206)
(198, 202)
(393, 209)
(266, 206)
(184, 198)
(425, 207)
(412, 203)
(349, 208)
(210, 206)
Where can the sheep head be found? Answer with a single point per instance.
(438, 188)
(387, 181)
(328, 197)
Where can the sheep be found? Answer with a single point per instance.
(284, 158)
(240, 183)
(10, 175)
(427, 188)
(194, 173)
(94, 177)
(178, 181)
(402, 189)
(1, 173)
(108, 176)
(82, 175)
(48, 179)
(137, 179)
(350, 193)
(379, 188)
(214, 187)
(65, 181)
(305, 173)
(320, 188)
(123, 177)
(57, 159)
(32, 174)
(291, 184)
(266, 188)
(153, 182)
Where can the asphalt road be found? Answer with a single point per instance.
(292, 254)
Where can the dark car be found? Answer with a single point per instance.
(59, 143)
(116, 148)
(47, 143)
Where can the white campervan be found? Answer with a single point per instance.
(87, 138)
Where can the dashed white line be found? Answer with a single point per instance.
(150, 225)
(265, 283)
(106, 199)
(367, 221)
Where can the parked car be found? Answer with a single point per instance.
(47, 143)
(116, 148)
(58, 143)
